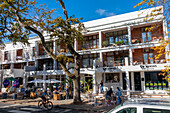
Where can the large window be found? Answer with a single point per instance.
(148, 56)
(146, 36)
(112, 77)
(154, 81)
(117, 36)
(91, 42)
(87, 60)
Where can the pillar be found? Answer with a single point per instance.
(130, 57)
(100, 39)
(165, 31)
(94, 77)
(44, 76)
(129, 35)
(142, 82)
(101, 57)
(132, 80)
(36, 48)
(127, 78)
(121, 84)
(75, 45)
(54, 51)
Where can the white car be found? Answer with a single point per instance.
(141, 108)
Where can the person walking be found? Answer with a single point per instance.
(101, 84)
(118, 95)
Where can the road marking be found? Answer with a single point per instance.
(31, 109)
(10, 105)
(16, 111)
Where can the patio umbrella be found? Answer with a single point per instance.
(36, 81)
(11, 79)
(52, 81)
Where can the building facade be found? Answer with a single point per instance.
(117, 50)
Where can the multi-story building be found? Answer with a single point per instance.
(117, 50)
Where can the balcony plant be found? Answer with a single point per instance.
(105, 43)
(120, 43)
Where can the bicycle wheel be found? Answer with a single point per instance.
(40, 104)
(49, 105)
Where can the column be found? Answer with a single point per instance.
(24, 78)
(12, 66)
(166, 38)
(75, 44)
(121, 84)
(142, 82)
(36, 48)
(54, 51)
(129, 35)
(100, 39)
(35, 82)
(132, 80)
(94, 77)
(130, 57)
(127, 78)
(101, 57)
(44, 76)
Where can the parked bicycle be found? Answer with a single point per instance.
(47, 105)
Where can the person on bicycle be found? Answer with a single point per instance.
(43, 96)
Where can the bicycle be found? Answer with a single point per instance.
(47, 105)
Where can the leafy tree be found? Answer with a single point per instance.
(88, 83)
(164, 47)
(20, 18)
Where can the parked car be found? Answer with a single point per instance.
(145, 107)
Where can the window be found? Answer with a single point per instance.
(112, 77)
(6, 55)
(33, 51)
(149, 36)
(117, 36)
(150, 110)
(144, 37)
(90, 42)
(128, 110)
(145, 56)
(151, 58)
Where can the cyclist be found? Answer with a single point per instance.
(43, 96)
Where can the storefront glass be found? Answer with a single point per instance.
(112, 77)
(154, 81)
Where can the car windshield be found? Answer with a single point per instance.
(115, 108)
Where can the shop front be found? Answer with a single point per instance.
(155, 81)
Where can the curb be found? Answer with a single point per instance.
(89, 110)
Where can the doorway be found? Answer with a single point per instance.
(137, 81)
(89, 78)
(124, 81)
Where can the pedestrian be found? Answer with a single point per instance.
(118, 95)
(108, 96)
(101, 84)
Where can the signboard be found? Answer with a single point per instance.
(6, 83)
(148, 66)
(15, 84)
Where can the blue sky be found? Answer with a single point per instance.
(93, 9)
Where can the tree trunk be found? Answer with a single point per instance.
(76, 92)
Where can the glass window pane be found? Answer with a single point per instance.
(151, 58)
(145, 56)
(150, 110)
(149, 36)
(144, 37)
(111, 41)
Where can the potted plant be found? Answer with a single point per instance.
(105, 43)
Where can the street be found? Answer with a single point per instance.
(18, 108)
